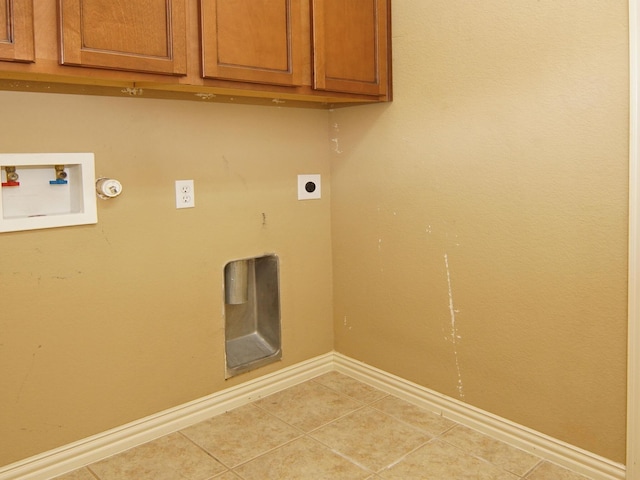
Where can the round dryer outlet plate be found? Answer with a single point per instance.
(309, 187)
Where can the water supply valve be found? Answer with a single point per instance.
(12, 177)
(61, 176)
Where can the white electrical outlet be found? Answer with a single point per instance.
(309, 187)
(185, 194)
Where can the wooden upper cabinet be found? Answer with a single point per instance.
(328, 52)
(131, 35)
(252, 40)
(350, 46)
(16, 30)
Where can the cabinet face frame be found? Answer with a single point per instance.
(324, 57)
(74, 52)
(214, 67)
(16, 35)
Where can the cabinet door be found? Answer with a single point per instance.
(252, 40)
(350, 46)
(140, 35)
(16, 30)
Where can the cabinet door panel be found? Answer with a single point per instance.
(350, 46)
(252, 40)
(16, 30)
(142, 35)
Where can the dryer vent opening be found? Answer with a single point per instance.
(252, 314)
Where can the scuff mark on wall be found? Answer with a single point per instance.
(66, 277)
(455, 337)
(336, 140)
(105, 237)
(228, 172)
(336, 146)
(28, 375)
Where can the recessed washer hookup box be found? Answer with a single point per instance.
(46, 190)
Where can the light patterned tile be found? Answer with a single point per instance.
(440, 460)
(303, 458)
(350, 387)
(241, 434)
(166, 458)
(308, 405)
(416, 416)
(549, 471)
(80, 474)
(499, 453)
(370, 438)
(227, 476)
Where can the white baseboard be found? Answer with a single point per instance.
(94, 448)
(536, 443)
(77, 454)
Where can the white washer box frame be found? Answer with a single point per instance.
(82, 208)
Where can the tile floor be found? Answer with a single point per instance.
(330, 427)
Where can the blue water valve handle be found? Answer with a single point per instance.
(58, 181)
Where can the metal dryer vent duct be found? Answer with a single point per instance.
(236, 284)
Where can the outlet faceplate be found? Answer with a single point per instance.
(309, 187)
(185, 194)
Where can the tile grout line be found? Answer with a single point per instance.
(301, 434)
(204, 450)
(266, 452)
(484, 460)
(92, 473)
(533, 469)
(360, 407)
(342, 455)
(403, 457)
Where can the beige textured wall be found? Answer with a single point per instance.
(480, 221)
(479, 233)
(108, 323)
